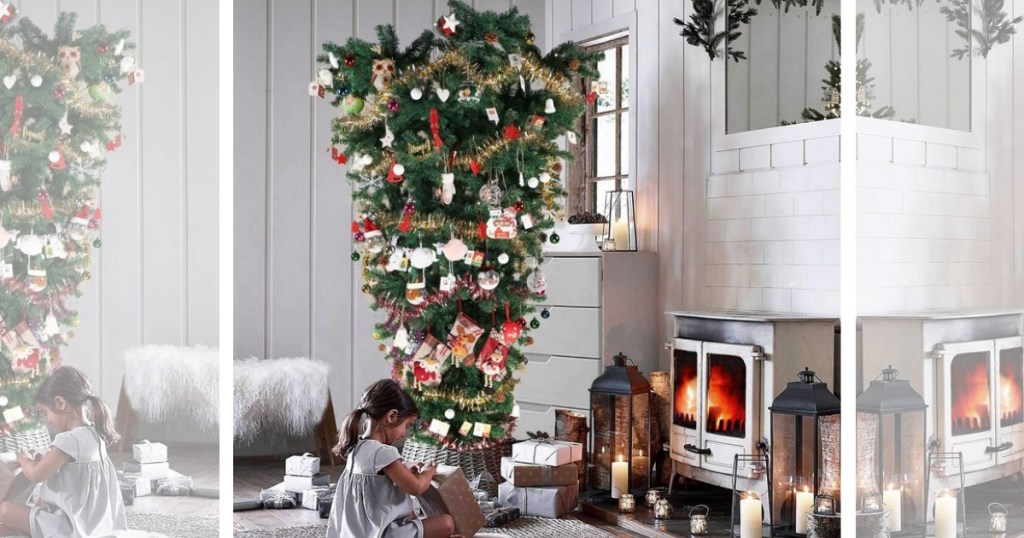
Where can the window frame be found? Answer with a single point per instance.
(577, 182)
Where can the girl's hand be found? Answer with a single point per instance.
(40, 468)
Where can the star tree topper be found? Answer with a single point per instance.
(450, 22)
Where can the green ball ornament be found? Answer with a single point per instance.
(99, 92)
(377, 335)
(554, 239)
(534, 323)
(355, 256)
(97, 243)
(352, 104)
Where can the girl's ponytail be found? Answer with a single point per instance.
(101, 417)
(350, 430)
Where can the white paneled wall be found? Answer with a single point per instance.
(297, 292)
(155, 278)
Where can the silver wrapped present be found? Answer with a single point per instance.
(298, 484)
(147, 452)
(304, 465)
(152, 471)
(551, 501)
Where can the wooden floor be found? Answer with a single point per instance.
(252, 475)
(197, 461)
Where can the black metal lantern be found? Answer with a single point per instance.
(621, 425)
(620, 230)
(891, 450)
(805, 452)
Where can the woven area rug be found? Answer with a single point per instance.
(525, 527)
(172, 526)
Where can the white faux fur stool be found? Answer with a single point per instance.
(284, 396)
(163, 383)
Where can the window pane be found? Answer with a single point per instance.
(606, 84)
(625, 76)
(601, 189)
(604, 146)
(624, 134)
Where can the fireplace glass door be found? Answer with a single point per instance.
(1010, 399)
(731, 394)
(686, 400)
(966, 414)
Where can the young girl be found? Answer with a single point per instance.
(372, 499)
(80, 497)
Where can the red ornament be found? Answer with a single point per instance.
(511, 132)
(102, 47)
(338, 156)
(435, 127)
(395, 173)
(518, 206)
(481, 231)
(7, 14)
(44, 201)
(19, 107)
(592, 97)
(406, 223)
(350, 61)
(393, 105)
(115, 142)
(474, 166)
(510, 331)
(442, 26)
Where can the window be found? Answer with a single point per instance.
(602, 157)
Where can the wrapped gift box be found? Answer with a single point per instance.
(298, 484)
(547, 452)
(304, 465)
(551, 501)
(450, 493)
(502, 516)
(277, 497)
(152, 471)
(147, 452)
(324, 506)
(140, 485)
(310, 498)
(174, 484)
(530, 475)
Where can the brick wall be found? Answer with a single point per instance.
(773, 228)
(924, 226)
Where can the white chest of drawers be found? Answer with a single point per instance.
(599, 304)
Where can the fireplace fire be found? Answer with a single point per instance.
(727, 387)
(970, 408)
(1011, 388)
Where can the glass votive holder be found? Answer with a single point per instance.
(652, 497)
(997, 518)
(627, 503)
(699, 522)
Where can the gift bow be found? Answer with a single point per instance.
(275, 495)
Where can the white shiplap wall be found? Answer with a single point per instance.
(296, 291)
(155, 278)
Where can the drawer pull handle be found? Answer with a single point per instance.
(1001, 448)
(693, 449)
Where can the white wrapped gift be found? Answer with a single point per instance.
(547, 452)
(298, 484)
(311, 497)
(147, 452)
(152, 471)
(304, 465)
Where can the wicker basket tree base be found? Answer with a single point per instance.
(36, 439)
(472, 462)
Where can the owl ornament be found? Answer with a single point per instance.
(70, 61)
(383, 74)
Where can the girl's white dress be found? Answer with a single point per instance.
(82, 499)
(367, 504)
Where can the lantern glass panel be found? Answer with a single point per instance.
(607, 446)
(793, 458)
(903, 460)
(621, 434)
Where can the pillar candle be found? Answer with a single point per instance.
(620, 478)
(945, 516)
(620, 232)
(893, 500)
(804, 504)
(750, 516)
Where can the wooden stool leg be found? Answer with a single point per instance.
(326, 432)
(126, 421)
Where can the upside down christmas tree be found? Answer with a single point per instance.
(58, 125)
(452, 154)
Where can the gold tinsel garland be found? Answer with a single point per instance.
(374, 110)
(476, 403)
